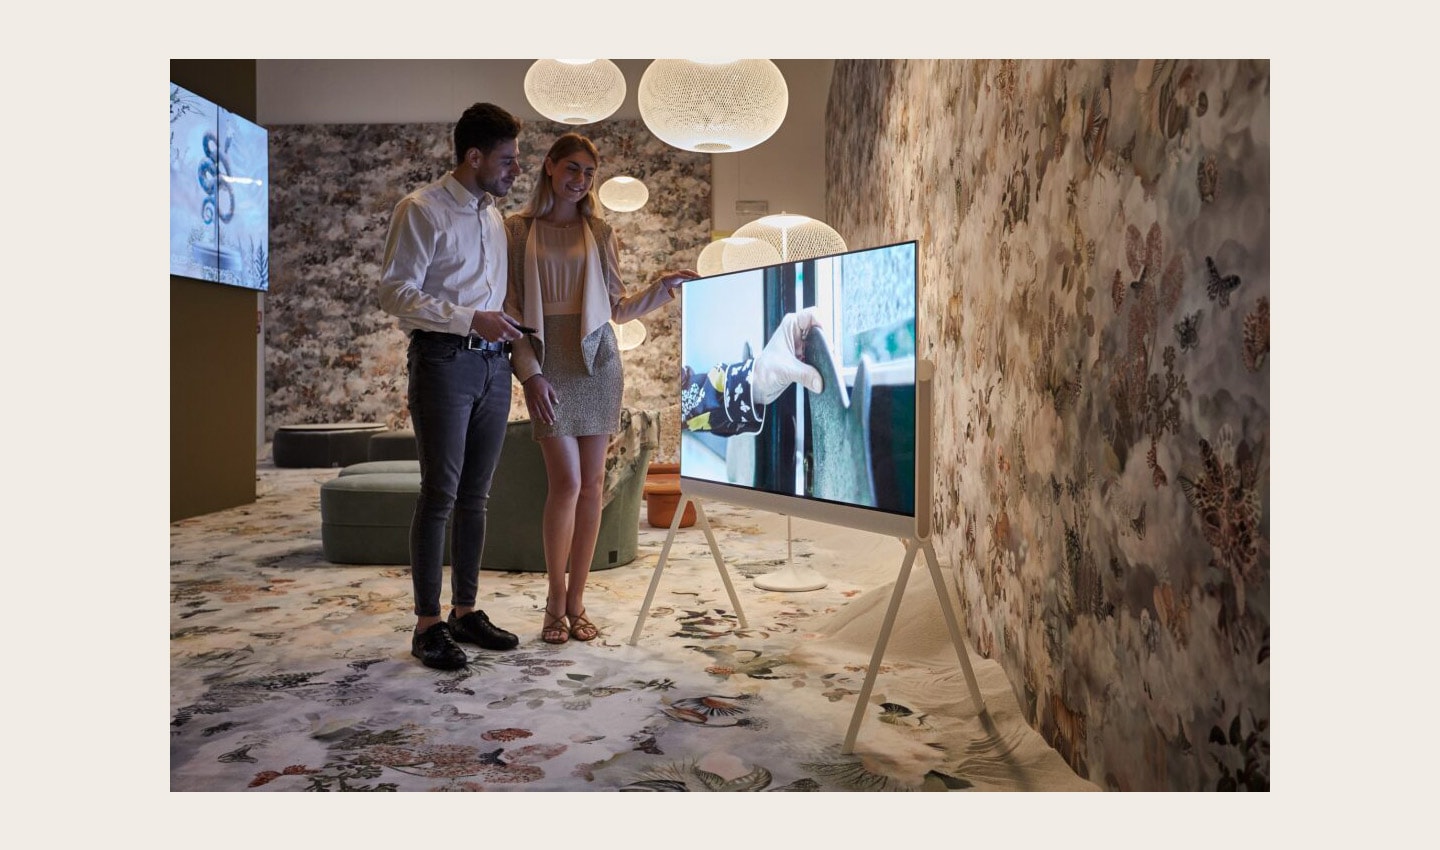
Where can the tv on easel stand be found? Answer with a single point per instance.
(802, 394)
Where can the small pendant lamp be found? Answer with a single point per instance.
(623, 194)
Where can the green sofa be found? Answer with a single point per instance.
(365, 511)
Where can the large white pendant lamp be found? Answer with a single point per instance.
(794, 237)
(713, 107)
(734, 253)
(575, 91)
(623, 194)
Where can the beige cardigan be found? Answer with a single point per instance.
(602, 299)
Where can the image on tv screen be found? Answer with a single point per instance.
(799, 379)
(219, 194)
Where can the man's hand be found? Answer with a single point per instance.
(779, 364)
(494, 326)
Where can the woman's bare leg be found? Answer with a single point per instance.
(563, 475)
(591, 451)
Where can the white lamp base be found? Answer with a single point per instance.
(792, 579)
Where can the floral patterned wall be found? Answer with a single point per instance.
(1094, 254)
(331, 353)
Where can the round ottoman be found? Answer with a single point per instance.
(393, 445)
(373, 466)
(323, 444)
(365, 519)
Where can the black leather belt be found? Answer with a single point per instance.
(475, 343)
(470, 343)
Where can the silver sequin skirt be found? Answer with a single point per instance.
(589, 404)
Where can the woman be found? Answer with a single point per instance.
(565, 283)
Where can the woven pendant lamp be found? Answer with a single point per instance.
(623, 194)
(794, 237)
(575, 91)
(733, 253)
(629, 335)
(713, 107)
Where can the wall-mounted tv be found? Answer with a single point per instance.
(840, 441)
(219, 194)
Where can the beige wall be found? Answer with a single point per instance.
(788, 169)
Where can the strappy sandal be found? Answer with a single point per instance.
(581, 628)
(553, 630)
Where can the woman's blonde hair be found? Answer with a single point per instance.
(542, 199)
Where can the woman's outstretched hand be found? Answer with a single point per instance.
(672, 279)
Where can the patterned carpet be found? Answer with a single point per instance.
(288, 673)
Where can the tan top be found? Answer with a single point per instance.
(603, 295)
(561, 263)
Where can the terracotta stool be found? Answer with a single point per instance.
(662, 496)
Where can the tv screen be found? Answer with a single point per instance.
(798, 388)
(219, 194)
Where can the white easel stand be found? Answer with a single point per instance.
(862, 701)
(704, 523)
(912, 546)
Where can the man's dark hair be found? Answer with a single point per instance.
(483, 126)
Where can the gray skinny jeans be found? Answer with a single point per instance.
(459, 404)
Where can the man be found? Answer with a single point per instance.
(444, 276)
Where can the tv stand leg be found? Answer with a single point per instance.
(912, 547)
(704, 523)
(659, 568)
(863, 700)
(953, 624)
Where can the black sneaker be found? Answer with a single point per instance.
(436, 647)
(476, 628)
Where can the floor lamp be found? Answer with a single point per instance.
(794, 237)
